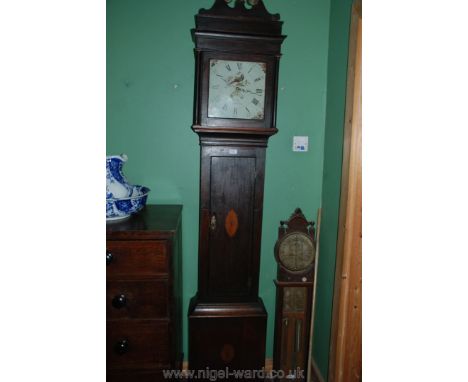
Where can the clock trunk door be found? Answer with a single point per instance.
(231, 197)
(232, 191)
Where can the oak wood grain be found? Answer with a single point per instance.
(144, 295)
(346, 340)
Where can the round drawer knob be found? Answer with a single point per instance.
(119, 301)
(109, 258)
(121, 347)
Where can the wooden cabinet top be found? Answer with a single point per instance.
(153, 222)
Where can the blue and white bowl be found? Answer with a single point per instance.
(121, 208)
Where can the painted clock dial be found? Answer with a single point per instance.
(296, 252)
(237, 89)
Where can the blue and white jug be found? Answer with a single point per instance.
(117, 186)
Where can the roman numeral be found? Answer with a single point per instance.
(235, 111)
(259, 91)
(251, 68)
(258, 79)
(225, 107)
(228, 67)
(239, 65)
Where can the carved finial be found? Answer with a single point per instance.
(297, 221)
(254, 8)
(239, 16)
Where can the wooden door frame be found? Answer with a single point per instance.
(341, 299)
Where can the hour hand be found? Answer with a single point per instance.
(220, 76)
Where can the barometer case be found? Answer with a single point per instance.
(295, 253)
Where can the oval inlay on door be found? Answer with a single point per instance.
(227, 353)
(231, 223)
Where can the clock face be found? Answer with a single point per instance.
(237, 89)
(296, 252)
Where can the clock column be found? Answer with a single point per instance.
(227, 319)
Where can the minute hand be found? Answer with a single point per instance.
(247, 91)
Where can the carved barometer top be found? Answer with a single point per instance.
(297, 221)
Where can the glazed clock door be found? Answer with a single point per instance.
(235, 178)
(237, 89)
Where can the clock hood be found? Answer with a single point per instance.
(245, 17)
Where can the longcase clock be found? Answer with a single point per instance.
(237, 52)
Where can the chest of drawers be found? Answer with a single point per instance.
(144, 295)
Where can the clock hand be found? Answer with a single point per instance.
(222, 78)
(237, 79)
(246, 91)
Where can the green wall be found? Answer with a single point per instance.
(150, 76)
(336, 97)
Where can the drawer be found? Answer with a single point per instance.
(139, 259)
(137, 299)
(137, 344)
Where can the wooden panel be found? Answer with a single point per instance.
(143, 299)
(247, 166)
(234, 342)
(230, 257)
(346, 340)
(293, 346)
(292, 329)
(141, 259)
(148, 344)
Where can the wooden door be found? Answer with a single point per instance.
(232, 191)
(346, 342)
(231, 206)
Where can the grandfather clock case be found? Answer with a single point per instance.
(237, 52)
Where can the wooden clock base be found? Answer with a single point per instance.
(227, 335)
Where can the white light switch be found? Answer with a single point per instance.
(301, 144)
